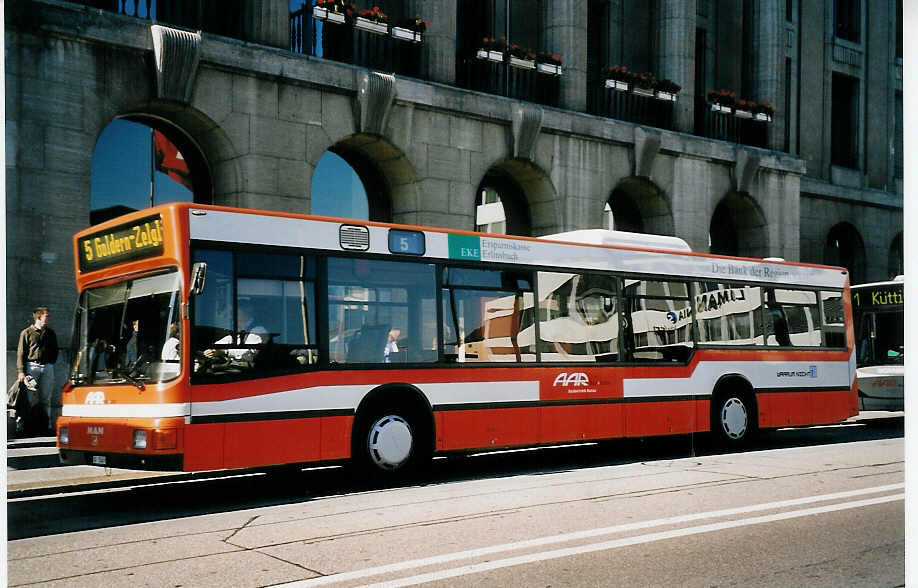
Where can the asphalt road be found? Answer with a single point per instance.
(815, 507)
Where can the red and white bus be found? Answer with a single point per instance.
(208, 337)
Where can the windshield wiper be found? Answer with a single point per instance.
(127, 376)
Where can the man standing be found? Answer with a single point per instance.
(36, 356)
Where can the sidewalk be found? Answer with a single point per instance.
(32, 466)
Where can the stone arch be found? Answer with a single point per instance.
(738, 227)
(388, 177)
(202, 137)
(200, 141)
(528, 197)
(896, 265)
(845, 247)
(638, 205)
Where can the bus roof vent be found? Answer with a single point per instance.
(621, 238)
(354, 237)
(773, 259)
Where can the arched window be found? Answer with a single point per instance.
(844, 247)
(136, 165)
(621, 214)
(738, 227)
(501, 206)
(337, 189)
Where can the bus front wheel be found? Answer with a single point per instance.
(732, 419)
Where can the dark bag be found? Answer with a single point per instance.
(18, 410)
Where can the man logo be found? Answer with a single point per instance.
(572, 379)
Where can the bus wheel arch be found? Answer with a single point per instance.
(734, 412)
(393, 432)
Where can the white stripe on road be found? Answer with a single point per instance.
(591, 533)
(572, 551)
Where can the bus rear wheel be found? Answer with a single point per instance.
(732, 419)
(389, 445)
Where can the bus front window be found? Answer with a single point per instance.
(128, 332)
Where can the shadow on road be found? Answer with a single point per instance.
(157, 501)
(33, 462)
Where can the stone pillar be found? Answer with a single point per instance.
(565, 26)
(439, 46)
(768, 82)
(267, 22)
(676, 56)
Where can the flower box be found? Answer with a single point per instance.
(743, 113)
(762, 117)
(642, 91)
(323, 14)
(371, 26)
(522, 63)
(490, 55)
(549, 68)
(721, 108)
(404, 34)
(617, 85)
(668, 96)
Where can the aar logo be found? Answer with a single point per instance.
(95, 397)
(572, 379)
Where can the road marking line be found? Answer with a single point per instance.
(587, 534)
(572, 551)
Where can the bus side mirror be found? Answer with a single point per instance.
(198, 275)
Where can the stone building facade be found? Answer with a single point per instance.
(253, 117)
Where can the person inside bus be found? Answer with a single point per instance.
(172, 347)
(779, 324)
(130, 345)
(391, 345)
(247, 333)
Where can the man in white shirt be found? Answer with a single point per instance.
(246, 334)
(171, 348)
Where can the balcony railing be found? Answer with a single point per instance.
(498, 73)
(392, 49)
(627, 103)
(364, 43)
(730, 124)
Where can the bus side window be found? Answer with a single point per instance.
(656, 323)
(579, 318)
(488, 315)
(833, 319)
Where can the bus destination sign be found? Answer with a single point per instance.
(127, 242)
(880, 296)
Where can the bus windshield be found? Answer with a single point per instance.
(879, 338)
(128, 332)
(879, 323)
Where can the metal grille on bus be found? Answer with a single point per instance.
(354, 237)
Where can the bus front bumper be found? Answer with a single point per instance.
(146, 444)
(130, 461)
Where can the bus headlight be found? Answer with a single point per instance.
(140, 439)
(63, 436)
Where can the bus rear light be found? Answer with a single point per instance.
(164, 438)
(63, 435)
(140, 439)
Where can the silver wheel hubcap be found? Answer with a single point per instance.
(733, 418)
(390, 442)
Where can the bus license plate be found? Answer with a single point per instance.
(98, 460)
